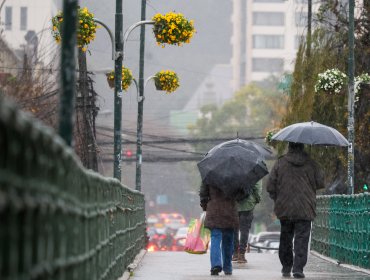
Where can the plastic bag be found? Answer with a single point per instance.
(198, 236)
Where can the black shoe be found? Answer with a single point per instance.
(286, 272)
(216, 270)
(298, 274)
(228, 273)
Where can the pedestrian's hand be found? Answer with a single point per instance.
(204, 206)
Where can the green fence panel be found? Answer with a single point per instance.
(59, 220)
(341, 229)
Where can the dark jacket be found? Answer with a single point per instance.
(292, 185)
(221, 211)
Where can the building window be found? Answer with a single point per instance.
(267, 65)
(268, 41)
(268, 18)
(268, 1)
(301, 19)
(23, 18)
(8, 18)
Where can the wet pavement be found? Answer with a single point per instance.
(264, 266)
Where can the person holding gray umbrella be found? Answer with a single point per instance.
(292, 185)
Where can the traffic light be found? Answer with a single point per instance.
(365, 188)
(128, 156)
(128, 153)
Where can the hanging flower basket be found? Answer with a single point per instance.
(173, 29)
(363, 78)
(126, 78)
(331, 81)
(166, 80)
(86, 31)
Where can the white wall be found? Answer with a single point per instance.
(39, 13)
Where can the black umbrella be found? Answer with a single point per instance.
(260, 150)
(312, 133)
(232, 168)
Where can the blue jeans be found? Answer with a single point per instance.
(222, 248)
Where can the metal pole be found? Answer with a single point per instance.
(351, 119)
(141, 100)
(68, 70)
(118, 91)
(309, 28)
(109, 33)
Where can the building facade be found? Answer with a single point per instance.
(25, 26)
(266, 35)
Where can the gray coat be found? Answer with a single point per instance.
(292, 185)
(221, 211)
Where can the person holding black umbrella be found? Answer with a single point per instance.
(292, 186)
(228, 171)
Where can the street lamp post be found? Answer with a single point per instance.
(68, 69)
(139, 137)
(120, 52)
(351, 93)
(118, 55)
(140, 106)
(118, 58)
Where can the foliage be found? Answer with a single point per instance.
(331, 81)
(330, 50)
(173, 29)
(126, 78)
(362, 79)
(269, 135)
(250, 112)
(166, 80)
(86, 31)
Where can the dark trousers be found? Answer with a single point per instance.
(245, 222)
(300, 231)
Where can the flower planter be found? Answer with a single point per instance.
(157, 84)
(172, 28)
(86, 31)
(166, 80)
(110, 83)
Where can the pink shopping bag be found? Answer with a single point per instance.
(198, 236)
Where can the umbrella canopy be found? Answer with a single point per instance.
(312, 133)
(260, 150)
(232, 168)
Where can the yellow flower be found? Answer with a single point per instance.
(84, 49)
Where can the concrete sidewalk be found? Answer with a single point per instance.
(265, 266)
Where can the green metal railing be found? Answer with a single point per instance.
(341, 229)
(58, 220)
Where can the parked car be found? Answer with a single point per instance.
(172, 220)
(179, 239)
(265, 239)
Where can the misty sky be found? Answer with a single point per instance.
(192, 62)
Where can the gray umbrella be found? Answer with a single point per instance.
(232, 167)
(311, 133)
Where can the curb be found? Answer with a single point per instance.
(132, 266)
(352, 267)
